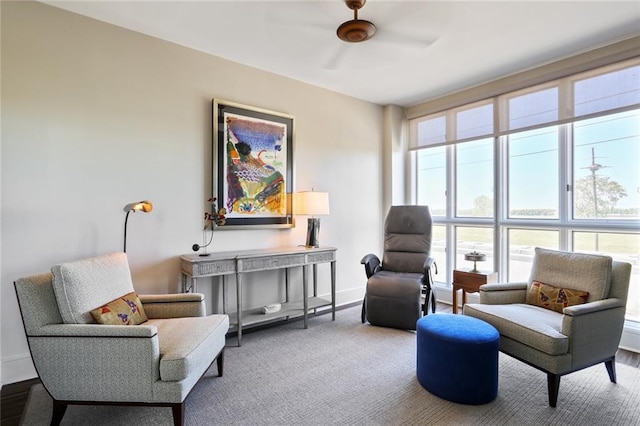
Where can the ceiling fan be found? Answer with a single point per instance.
(401, 28)
(356, 30)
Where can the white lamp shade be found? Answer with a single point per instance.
(311, 203)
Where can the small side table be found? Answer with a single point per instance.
(469, 282)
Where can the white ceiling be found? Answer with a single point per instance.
(422, 50)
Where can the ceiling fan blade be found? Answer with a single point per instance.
(385, 35)
(333, 62)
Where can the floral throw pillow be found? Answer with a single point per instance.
(125, 310)
(554, 298)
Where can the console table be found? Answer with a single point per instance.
(239, 263)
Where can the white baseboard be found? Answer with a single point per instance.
(17, 368)
(630, 340)
(347, 296)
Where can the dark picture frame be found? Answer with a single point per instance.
(253, 165)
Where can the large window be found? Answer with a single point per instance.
(520, 246)
(474, 178)
(624, 247)
(552, 166)
(606, 154)
(469, 239)
(432, 178)
(533, 173)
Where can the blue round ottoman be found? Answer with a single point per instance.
(457, 358)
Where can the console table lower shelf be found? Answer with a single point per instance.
(239, 263)
(288, 310)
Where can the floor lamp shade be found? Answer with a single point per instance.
(139, 206)
(311, 203)
(144, 206)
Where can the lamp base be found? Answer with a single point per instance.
(313, 230)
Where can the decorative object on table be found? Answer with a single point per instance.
(144, 206)
(271, 309)
(313, 204)
(474, 256)
(253, 165)
(212, 219)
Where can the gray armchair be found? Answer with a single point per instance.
(569, 338)
(397, 285)
(80, 362)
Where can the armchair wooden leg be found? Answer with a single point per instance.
(611, 369)
(59, 409)
(178, 414)
(220, 362)
(553, 385)
(363, 314)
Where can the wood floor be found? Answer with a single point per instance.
(13, 397)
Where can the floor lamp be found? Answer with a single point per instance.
(310, 203)
(144, 206)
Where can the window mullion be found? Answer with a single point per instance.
(565, 168)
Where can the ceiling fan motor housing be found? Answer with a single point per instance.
(356, 30)
(355, 4)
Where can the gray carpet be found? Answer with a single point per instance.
(347, 373)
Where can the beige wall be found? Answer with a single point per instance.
(95, 116)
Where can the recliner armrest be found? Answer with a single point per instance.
(429, 263)
(503, 293)
(160, 306)
(429, 268)
(371, 264)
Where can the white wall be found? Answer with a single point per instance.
(95, 116)
(396, 182)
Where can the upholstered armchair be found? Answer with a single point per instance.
(396, 286)
(568, 316)
(81, 361)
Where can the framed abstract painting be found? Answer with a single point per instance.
(253, 165)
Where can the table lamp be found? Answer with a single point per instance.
(144, 206)
(313, 204)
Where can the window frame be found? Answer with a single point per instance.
(565, 224)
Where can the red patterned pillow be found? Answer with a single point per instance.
(125, 310)
(554, 298)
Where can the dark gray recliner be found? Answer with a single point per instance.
(395, 286)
